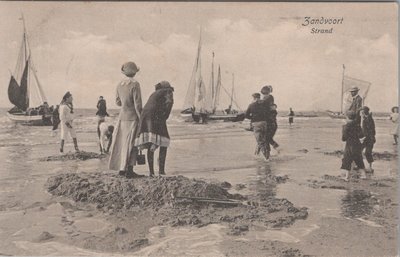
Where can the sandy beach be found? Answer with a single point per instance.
(295, 205)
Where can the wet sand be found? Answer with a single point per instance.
(344, 219)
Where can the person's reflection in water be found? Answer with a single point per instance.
(262, 184)
(357, 203)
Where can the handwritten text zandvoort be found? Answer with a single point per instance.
(317, 24)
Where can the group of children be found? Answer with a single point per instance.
(359, 134)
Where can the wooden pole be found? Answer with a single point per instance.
(341, 96)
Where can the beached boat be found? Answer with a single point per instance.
(21, 94)
(346, 98)
(201, 103)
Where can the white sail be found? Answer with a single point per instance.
(195, 79)
(209, 97)
(217, 89)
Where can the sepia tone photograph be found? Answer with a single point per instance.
(199, 129)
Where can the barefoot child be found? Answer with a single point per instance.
(351, 134)
(394, 117)
(67, 117)
(105, 134)
(368, 128)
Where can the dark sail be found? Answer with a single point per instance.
(14, 92)
(24, 100)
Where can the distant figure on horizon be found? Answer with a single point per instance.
(123, 151)
(66, 120)
(153, 131)
(291, 116)
(368, 129)
(356, 104)
(351, 134)
(394, 117)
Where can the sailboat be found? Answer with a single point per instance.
(202, 103)
(20, 90)
(346, 98)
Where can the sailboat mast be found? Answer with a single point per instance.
(341, 96)
(212, 80)
(233, 86)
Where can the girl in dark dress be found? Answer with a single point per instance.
(351, 134)
(153, 132)
(272, 126)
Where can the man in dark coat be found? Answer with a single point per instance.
(356, 104)
(153, 132)
(368, 128)
(351, 134)
(257, 113)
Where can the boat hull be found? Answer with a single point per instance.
(335, 115)
(224, 117)
(33, 120)
(227, 117)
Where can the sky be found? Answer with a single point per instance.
(81, 46)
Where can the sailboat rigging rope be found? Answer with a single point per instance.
(233, 100)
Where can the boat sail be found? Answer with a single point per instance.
(346, 98)
(21, 94)
(203, 103)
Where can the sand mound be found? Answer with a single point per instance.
(386, 156)
(82, 155)
(116, 194)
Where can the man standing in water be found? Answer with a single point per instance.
(291, 116)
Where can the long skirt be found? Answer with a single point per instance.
(352, 152)
(65, 130)
(123, 150)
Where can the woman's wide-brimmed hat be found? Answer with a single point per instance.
(129, 68)
(266, 89)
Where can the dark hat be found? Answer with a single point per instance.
(68, 94)
(395, 107)
(256, 95)
(365, 109)
(266, 89)
(163, 84)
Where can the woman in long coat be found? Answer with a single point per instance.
(128, 96)
(153, 132)
(351, 134)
